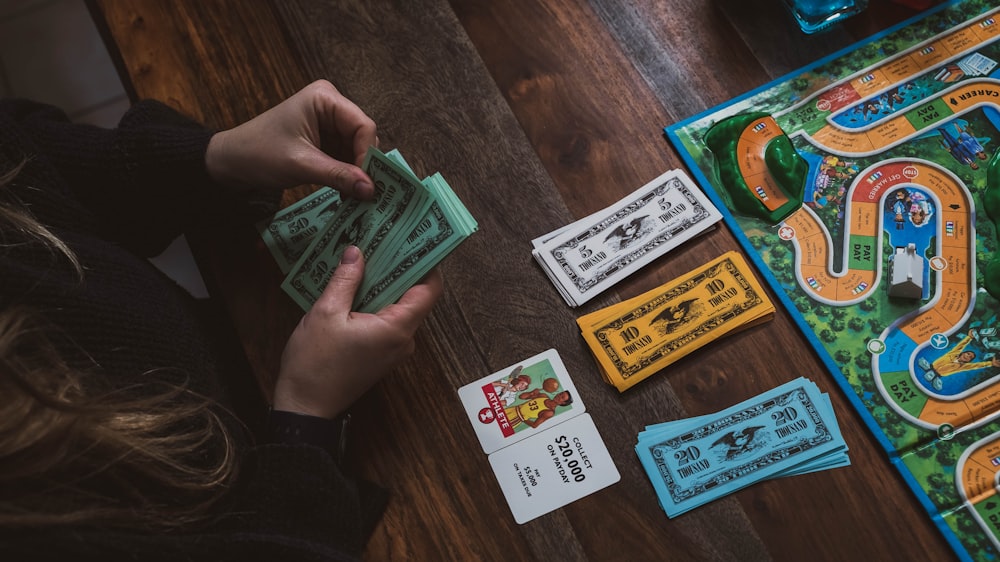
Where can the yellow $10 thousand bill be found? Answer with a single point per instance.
(636, 338)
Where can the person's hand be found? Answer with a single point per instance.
(317, 136)
(335, 355)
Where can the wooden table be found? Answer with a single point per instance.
(537, 112)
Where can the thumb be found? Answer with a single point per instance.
(339, 293)
(348, 179)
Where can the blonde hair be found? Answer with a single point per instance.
(75, 451)
(15, 218)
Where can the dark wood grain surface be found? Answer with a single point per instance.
(537, 113)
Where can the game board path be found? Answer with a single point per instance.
(895, 72)
(763, 180)
(953, 259)
(976, 476)
(903, 126)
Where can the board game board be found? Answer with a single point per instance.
(866, 188)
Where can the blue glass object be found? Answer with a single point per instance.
(816, 15)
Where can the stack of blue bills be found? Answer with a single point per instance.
(786, 431)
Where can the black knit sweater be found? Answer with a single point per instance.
(116, 197)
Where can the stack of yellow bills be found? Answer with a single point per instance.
(636, 338)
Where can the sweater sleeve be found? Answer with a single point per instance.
(292, 503)
(145, 180)
(297, 491)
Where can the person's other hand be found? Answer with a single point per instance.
(317, 136)
(335, 355)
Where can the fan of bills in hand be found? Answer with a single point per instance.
(403, 232)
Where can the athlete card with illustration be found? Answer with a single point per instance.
(554, 469)
(515, 403)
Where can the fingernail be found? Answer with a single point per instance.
(363, 189)
(350, 255)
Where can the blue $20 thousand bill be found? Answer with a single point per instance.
(787, 430)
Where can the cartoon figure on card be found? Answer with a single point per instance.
(538, 406)
(508, 406)
(508, 388)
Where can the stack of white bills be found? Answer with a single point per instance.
(586, 257)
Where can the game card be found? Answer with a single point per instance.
(554, 468)
(517, 402)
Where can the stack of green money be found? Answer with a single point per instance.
(786, 431)
(403, 232)
(290, 231)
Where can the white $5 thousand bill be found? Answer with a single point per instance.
(611, 244)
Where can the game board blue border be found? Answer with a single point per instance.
(737, 231)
